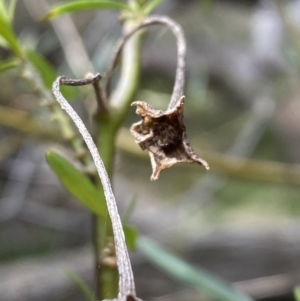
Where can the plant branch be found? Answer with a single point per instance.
(80, 82)
(181, 54)
(89, 80)
(126, 279)
(123, 94)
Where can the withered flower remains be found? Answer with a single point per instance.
(163, 135)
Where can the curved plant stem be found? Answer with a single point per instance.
(181, 54)
(126, 280)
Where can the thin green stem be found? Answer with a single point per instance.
(106, 137)
(128, 83)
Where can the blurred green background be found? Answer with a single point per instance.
(240, 220)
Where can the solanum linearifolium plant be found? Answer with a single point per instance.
(161, 133)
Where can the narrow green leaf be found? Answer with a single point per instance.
(9, 64)
(7, 33)
(131, 234)
(77, 184)
(150, 5)
(297, 293)
(77, 6)
(195, 277)
(82, 286)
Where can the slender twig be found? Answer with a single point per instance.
(126, 280)
(181, 54)
(101, 105)
(80, 82)
(89, 80)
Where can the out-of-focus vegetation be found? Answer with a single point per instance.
(240, 220)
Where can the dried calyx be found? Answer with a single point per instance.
(163, 135)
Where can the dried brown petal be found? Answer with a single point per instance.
(163, 135)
